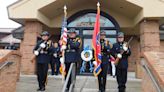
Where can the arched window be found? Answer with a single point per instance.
(84, 21)
(88, 20)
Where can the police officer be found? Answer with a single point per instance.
(55, 59)
(105, 52)
(122, 52)
(42, 51)
(72, 51)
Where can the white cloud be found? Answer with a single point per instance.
(5, 22)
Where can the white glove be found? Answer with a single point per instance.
(94, 63)
(36, 53)
(63, 47)
(62, 60)
(42, 45)
(55, 55)
(125, 48)
(119, 55)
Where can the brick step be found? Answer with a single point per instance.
(90, 84)
(107, 90)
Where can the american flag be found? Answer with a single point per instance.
(63, 42)
(63, 38)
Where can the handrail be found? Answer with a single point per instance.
(7, 63)
(150, 74)
(71, 73)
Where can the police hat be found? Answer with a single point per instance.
(45, 33)
(120, 34)
(72, 30)
(102, 33)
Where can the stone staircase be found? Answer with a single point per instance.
(28, 83)
(90, 84)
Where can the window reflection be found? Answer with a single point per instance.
(88, 20)
(108, 32)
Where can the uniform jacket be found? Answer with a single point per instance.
(105, 50)
(123, 62)
(55, 53)
(72, 51)
(44, 57)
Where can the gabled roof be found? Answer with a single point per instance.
(6, 30)
(9, 39)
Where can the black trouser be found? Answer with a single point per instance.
(110, 68)
(102, 76)
(55, 63)
(121, 79)
(67, 66)
(42, 69)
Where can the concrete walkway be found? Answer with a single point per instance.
(28, 83)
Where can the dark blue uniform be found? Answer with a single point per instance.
(42, 61)
(72, 54)
(55, 60)
(122, 66)
(105, 52)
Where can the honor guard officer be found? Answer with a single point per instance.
(42, 51)
(122, 52)
(105, 52)
(72, 51)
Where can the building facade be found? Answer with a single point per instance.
(6, 38)
(141, 19)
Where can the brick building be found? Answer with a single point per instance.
(6, 37)
(133, 17)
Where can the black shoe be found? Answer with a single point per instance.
(103, 90)
(67, 90)
(38, 89)
(121, 91)
(42, 89)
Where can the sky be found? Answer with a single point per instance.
(5, 22)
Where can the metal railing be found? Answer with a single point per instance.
(3, 64)
(150, 74)
(72, 74)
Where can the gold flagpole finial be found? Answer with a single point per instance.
(98, 4)
(65, 10)
(65, 7)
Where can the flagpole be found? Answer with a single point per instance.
(96, 43)
(64, 44)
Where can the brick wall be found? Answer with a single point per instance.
(135, 57)
(10, 74)
(149, 35)
(155, 63)
(32, 30)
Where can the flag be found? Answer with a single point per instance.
(96, 43)
(63, 42)
(63, 37)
